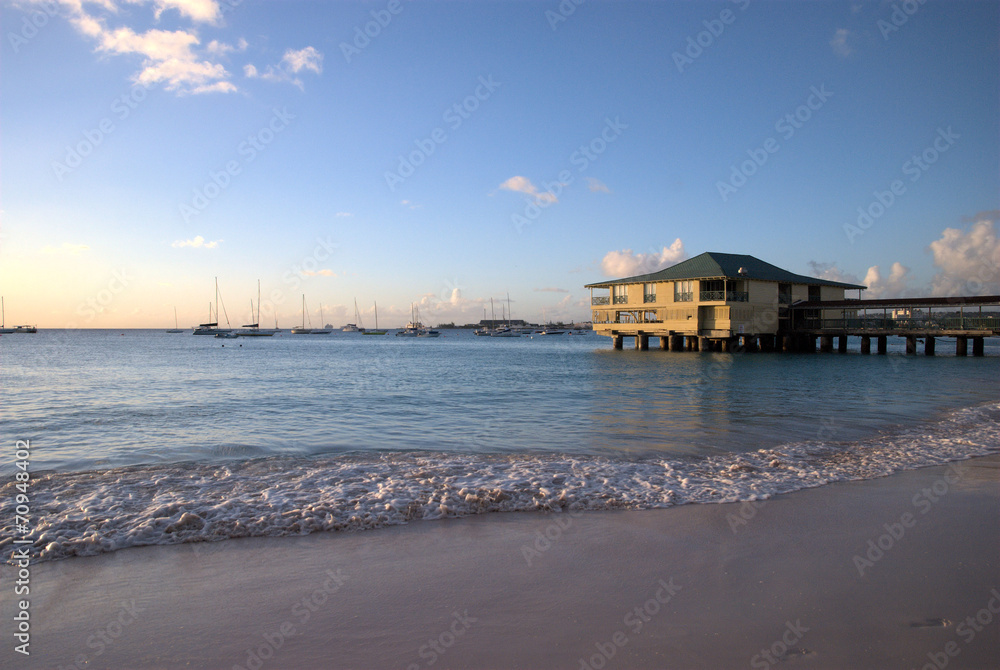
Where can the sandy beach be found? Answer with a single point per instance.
(899, 572)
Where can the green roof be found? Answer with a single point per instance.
(715, 265)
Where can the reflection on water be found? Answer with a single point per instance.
(97, 398)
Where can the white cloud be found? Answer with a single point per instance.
(893, 286)
(197, 242)
(343, 214)
(597, 186)
(199, 11)
(840, 43)
(523, 185)
(303, 59)
(969, 261)
(170, 57)
(217, 48)
(551, 290)
(319, 273)
(291, 64)
(626, 264)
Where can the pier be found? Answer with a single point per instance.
(735, 302)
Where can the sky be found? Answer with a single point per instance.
(440, 154)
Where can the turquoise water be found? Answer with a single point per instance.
(397, 428)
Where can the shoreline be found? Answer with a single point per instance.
(876, 573)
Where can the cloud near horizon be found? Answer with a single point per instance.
(197, 242)
(969, 261)
(625, 263)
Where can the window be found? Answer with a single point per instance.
(784, 294)
(683, 291)
(649, 292)
(814, 293)
(619, 294)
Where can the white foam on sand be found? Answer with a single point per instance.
(81, 514)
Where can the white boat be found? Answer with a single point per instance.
(212, 327)
(376, 331)
(353, 327)
(416, 329)
(506, 330)
(254, 329)
(175, 329)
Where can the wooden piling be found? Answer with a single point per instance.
(642, 342)
(928, 346)
(882, 339)
(911, 344)
(977, 346)
(842, 344)
(664, 343)
(961, 346)
(866, 344)
(616, 341)
(826, 343)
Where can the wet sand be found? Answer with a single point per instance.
(899, 572)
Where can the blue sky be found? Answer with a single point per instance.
(460, 151)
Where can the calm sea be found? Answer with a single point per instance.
(144, 437)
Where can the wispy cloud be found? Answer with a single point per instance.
(597, 186)
(520, 184)
(319, 273)
(292, 63)
(551, 290)
(840, 43)
(624, 263)
(343, 214)
(66, 248)
(197, 242)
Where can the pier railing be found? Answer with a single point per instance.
(971, 323)
(601, 300)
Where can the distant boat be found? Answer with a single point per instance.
(326, 329)
(227, 334)
(15, 329)
(175, 329)
(353, 327)
(414, 328)
(506, 330)
(254, 329)
(376, 331)
(212, 327)
(302, 330)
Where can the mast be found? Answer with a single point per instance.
(376, 314)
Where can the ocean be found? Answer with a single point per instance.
(142, 437)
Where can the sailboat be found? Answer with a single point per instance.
(175, 329)
(254, 329)
(506, 331)
(302, 330)
(212, 326)
(353, 327)
(376, 331)
(15, 329)
(326, 329)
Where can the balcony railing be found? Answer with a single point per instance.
(621, 300)
(727, 296)
(649, 297)
(684, 297)
(601, 300)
